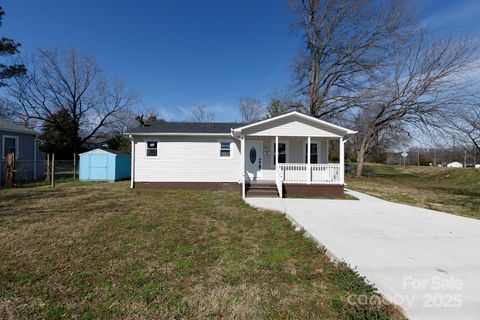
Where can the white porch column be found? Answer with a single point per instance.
(342, 160)
(132, 173)
(276, 152)
(309, 165)
(242, 155)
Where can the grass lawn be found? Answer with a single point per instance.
(446, 189)
(96, 250)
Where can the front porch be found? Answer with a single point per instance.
(291, 152)
(304, 166)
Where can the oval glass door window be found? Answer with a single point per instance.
(253, 155)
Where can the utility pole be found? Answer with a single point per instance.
(465, 159)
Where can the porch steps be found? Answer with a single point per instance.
(261, 189)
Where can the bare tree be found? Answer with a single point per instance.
(344, 42)
(73, 83)
(464, 121)
(251, 110)
(201, 114)
(424, 79)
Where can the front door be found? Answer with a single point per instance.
(253, 160)
(98, 167)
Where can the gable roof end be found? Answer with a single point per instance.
(297, 114)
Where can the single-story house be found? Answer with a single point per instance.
(23, 143)
(455, 164)
(239, 156)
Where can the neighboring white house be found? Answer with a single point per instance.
(241, 156)
(455, 164)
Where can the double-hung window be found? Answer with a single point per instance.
(152, 149)
(313, 152)
(225, 151)
(10, 145)
(282, 152)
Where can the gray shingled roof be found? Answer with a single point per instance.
(187, 127)
(12, 127)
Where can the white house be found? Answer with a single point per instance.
(240, 156)
(455, 164)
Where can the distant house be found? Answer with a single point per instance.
(23, 143)
(96, 143)
(282, 156)
(455, 164)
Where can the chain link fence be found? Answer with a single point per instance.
(30, 171)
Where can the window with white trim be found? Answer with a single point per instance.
(313, 152)
(152, 149)
(10, 145)
(225, 151)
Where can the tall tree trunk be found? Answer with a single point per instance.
(360, 161)
(361, 155)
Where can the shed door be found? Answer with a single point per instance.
(98, 167)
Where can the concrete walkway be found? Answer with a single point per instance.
(425, 261)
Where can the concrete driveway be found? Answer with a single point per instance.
(425, 261)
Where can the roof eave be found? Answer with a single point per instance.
(175, 134)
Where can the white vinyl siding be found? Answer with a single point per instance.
(187, 159)
(288, 128)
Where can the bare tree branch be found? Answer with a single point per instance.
(251, 110)
(71, 82)
(201, 114)
(424, 80)
(345, 42)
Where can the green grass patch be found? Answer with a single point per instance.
(102, 251)
(450, 190)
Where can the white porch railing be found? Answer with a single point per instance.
(318, 173)
(279, 181)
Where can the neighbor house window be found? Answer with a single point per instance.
(313, 152)
(10, 145)
(152, 148)
(224, 149)
(282, 154)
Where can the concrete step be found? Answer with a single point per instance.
(262, 192)
(261, 187)
(256, 195)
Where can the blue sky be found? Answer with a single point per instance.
(180, 54)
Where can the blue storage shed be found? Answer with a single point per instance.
(104, 165)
